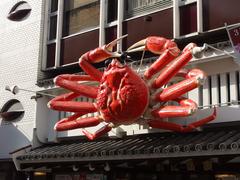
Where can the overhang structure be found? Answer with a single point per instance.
(161, 146)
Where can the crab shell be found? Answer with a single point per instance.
(123, 95)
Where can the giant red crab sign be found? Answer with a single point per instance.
(124, 97)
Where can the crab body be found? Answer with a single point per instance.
(120, 90)
(123, 96)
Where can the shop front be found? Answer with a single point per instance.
(210, 154)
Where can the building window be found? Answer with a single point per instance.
(54, 6)
(72, 23)
(80, 15)
(112, 10)
(188, 18)
(138, 7)
(53, 20)
(53, 27)
(52, 31)
(215, 14)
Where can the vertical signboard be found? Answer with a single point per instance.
(234, 36)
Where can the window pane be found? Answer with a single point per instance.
(80, 15)
(51, 48)
(53, 27)
(73, 47)
(54, 5)
(111, 34)
(215, 14)
(138, 7)
(112, 10)
(188, 19)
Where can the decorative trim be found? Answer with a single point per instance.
(10, 115)
(19, 11)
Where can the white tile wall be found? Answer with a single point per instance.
(20, 52)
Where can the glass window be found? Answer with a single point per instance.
(112, 10)
(54, 5)
(138, 7)
(51, 48)
(188, 19)
(80, 15)
(53, 27)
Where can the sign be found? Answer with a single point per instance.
(234, 36)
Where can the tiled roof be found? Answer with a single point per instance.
(148, 146)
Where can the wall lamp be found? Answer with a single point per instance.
(107, 167)
(90, 167)
(15, 90)
(75, 168)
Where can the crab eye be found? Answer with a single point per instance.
(107, 62)
(19, 11)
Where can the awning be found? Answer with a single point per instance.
(138, 147)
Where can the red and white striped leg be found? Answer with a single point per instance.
(179, 128)
(159, 64)
(98, 55)
(70, 82)
(74, 122)
(105, 129)
(186, 108)
(194, 78)
(166, 48)
(64, 103)
(171, 70)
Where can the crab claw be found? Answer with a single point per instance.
(101, 53)
(156, 45)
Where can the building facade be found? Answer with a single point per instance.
(49, 39)
(21, 44)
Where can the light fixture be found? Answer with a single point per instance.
(221, 176)
(190, 165)
(75, 168)
(107, 167)
(15, 90)
(12, 89)
(90, 167)
(207, 165)
(39, 173)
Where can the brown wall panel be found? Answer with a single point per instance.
(73, 47)
(156, 24)
(217, 12)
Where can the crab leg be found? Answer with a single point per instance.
(74, 122)
(158, 45)
(77, 78)
(179, 128)
(193, 79)
(171, 70)
(71, 83)
(98, 55)
(64, 103)
(186, 107)
(105, 129)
